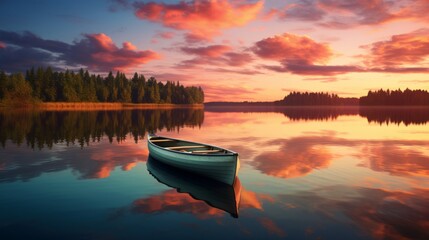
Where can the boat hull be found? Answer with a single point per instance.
(222, 168)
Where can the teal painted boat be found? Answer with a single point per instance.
(214, 193)
(203, 159)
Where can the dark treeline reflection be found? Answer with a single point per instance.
(396, 115)
(294, 113)
(318, 113)
(45, 128)
(382, 115)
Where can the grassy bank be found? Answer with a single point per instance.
(87, 106)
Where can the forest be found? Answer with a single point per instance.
(374, 98)
(46, 85)
(316, 98)
(396, 98)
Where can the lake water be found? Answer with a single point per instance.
(306, 173)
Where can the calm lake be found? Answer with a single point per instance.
(306, 173)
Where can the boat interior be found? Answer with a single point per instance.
(186, 147)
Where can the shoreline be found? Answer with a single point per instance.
(87, 106)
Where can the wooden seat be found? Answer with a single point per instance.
(207, 151)
(161, 140)
(185, 147)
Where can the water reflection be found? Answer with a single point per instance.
(299, 156)
(22, 164)
(396, 115)
(331, 179)
(398, 158)
(294, 113)
(46, 128)
(381, 115)
(190, 189)
(295, 157)
(379, 213)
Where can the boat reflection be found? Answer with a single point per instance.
(216, 194)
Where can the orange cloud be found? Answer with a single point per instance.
(296, 157)
(201, 19)
(290, 47)
(409, 48)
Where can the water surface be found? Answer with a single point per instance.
(306, 173)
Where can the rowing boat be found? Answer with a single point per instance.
(214, 193)
(207, 160)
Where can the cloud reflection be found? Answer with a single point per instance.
(295, 157)
(171, 200)
(21, 164)
(301, 155)
(380, 213)
(398, 160)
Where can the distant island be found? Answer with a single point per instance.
(43, 85)
(374, 98)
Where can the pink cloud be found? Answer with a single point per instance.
(352, 13)
(214, 92)
(215, 55)
(99, 52)
(292, 47)
(200, 19)
(95, 51)
(303, 10)
(166, 35)
(163, 35)
(302, 68)
(298, 55)
(400, 49)
(128, 46)
(209, 51)
(2, 45)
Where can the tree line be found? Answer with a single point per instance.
(374, 98)
(396, 98)
(44, 84)
(316, 98)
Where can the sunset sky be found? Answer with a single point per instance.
(235, 49)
